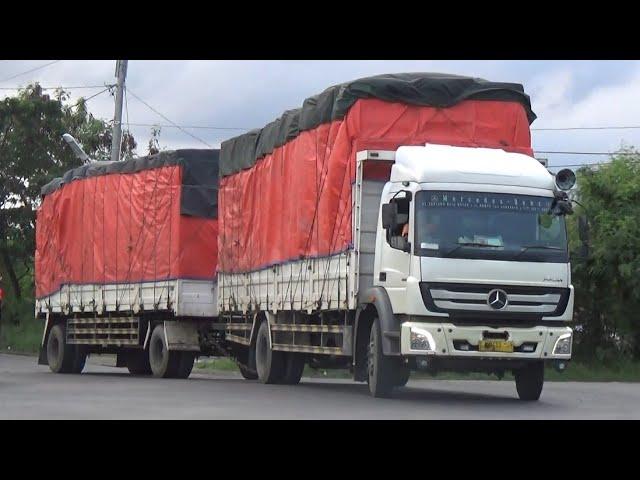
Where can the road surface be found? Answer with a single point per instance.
(30, 391)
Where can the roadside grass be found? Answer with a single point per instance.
(576, 372)
(24, 337)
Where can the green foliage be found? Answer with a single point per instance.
(24, 336)
(32, 152)
(607, 282)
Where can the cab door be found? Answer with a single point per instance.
(394, 247)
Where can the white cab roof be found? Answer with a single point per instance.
(446, 164)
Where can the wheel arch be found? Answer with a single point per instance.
(374, 303)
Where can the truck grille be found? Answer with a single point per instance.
(463, 300)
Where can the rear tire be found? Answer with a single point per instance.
(138, 363)
(246, 373)
(269, 363)
(293, 368)
(529, 381)
(247, 364)
(185, 364)
(380, 368)
(164, 363)
(63, 358)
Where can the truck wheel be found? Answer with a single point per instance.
(248, 371)
(80, 359)
(185, 364)
(293, 367)
(63, 358)
(380, 367)
(138, 363)
(164, 363)
(529, 381)
(269, 363)
(402, 375)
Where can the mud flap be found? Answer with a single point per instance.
(42, 356)
(182, 336)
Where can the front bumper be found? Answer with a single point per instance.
(449, 340)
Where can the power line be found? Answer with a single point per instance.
(28, 71)
(585, 128)
(168, 120)
(95, 95)
(578, 165)
(76, 87)
(203, 127)
(586, 153)
(126, 107)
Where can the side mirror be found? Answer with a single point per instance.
(407, 247)
(389, 215)
(583, 229)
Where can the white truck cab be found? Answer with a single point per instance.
(482, 273)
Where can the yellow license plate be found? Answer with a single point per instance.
(495, 346)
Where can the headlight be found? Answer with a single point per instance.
(422, 340)
(563, 345)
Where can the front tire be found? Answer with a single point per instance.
(402, 374)
(379, 367)
(529, 381)
(269, 363)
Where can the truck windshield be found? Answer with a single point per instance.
(490, 226)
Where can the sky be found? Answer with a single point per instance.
(239, 95)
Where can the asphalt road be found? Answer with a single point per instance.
(30, 391)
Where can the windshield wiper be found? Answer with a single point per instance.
(468, 244)
(544, 247)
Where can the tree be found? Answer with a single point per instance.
(32, 153)
(607, 282)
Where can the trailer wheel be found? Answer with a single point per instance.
(62, 357)
(529, 381)
(185, 364)
(293, 368)
(164, 363)
(138, 363)
(380, 367)
(80, 359)
(269, 363)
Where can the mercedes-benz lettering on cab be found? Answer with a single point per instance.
(483, 272)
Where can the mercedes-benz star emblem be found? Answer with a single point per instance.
(497, 299)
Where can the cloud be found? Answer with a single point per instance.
(252, 93)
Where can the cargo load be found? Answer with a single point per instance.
(106, 229)
(286, 189)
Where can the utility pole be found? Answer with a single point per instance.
(121, 74)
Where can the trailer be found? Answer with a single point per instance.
(126, 262)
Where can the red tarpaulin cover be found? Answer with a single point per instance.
(296, 201)
(121, 228)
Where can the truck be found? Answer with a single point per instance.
(391, 224)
